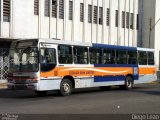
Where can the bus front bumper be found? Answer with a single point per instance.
(13, 86)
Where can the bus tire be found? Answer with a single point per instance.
(41, 93)
(128, 83)
(66, 87)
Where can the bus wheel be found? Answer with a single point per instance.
(103, 88)
(66, 87)
(41, 93)
(128, 83)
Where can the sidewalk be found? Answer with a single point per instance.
(3, 84)
(156, 82)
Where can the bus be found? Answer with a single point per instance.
(48, 64)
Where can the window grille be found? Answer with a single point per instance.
(6, 10)
(47, 8)
(123, 19)
(100, 15)
(70, 10)
(89, 13)
(127, 19)
(116, 19)
(54, 8)
(108, 16)
(36, 7)
(61, 9)
(95, 15)
(81, 12)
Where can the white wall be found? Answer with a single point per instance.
(157, 34)
(24, 24)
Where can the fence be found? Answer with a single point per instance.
(4, 63)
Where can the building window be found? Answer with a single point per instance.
(61, 9)
(132, 21)
(108, 16)
(127, 20)
(47, 8)
(81, 12)
(70, 10)
(123, 19)
(100, 15)
(137, 21)
(95, 15)
(6, 10)
(36, 7)
(54, 8)
(89, 13)
(116, 18)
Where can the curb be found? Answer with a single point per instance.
(156, 82)
(3, 85)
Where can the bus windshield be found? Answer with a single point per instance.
(24, 59)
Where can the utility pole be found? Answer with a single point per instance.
(151, 28)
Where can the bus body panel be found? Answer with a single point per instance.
(88, 75)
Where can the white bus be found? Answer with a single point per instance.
(46, 64)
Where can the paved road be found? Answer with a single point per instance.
(142, 99)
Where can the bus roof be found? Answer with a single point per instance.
(114, 47)
(96, 45)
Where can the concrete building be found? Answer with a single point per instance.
(98, 21)
(151, 27)
(115, 22)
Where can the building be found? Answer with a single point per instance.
(116, 22)
(151, 27)
(98, 21)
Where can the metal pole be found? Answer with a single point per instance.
(150, 29)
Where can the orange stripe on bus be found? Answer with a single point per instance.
(146, 70)
(87, 71)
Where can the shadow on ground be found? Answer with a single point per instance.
(24, 94)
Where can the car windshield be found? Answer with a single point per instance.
(24, 59)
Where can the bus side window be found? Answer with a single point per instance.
(80, 55)
(47, 59)
(65, 54)
(142, 57)
(121, 57)
(150, 58)
(132, 57)
(95, 56)
(108, 56)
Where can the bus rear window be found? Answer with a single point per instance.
(142, 57)
(150, 58)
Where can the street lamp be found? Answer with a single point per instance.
(151, 28)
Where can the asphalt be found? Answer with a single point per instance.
(142, 99)
(90, 104)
